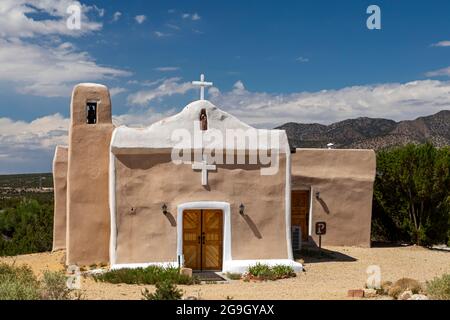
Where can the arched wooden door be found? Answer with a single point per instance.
(203, 239)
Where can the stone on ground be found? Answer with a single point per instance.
(370, 293)
(418, 297)
(405, 295)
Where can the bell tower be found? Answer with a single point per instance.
(88, 219)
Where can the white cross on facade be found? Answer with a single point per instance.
(204, 166)
(202, 84)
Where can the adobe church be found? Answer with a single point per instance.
(169, 194)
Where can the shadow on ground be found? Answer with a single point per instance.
(312, 254)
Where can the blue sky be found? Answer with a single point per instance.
(270, 61)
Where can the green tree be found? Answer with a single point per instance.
(27, 228)
(411, 194)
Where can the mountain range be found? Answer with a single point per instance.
(371, 133)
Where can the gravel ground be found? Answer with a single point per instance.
(326, 277)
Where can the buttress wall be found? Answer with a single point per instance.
(60, 190)
(88, 220)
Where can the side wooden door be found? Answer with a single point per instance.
(300, 211)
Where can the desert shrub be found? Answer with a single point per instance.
(439, 288)
(409, 284)
(165, 290)
(282, 271)
(149, 275)
(233, 276)
(18, 283)
(26, 228)
(261, 271)
(265, 272)
(54, 286)
(411, 200)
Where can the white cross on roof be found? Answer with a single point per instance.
(204, 166)
(202, 84)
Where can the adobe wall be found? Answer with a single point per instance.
(145, 182)
(344, 179)
(88, 226)
(60, 196)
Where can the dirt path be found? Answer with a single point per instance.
(330, 277)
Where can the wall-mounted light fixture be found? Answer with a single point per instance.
(317, 195)
(164, 209)
(241, 209)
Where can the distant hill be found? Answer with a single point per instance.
(26, 180)
(371, 133)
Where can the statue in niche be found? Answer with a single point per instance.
(203, 120)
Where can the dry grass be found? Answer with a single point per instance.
(439, 288)
(402, 285)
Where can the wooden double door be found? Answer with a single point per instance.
(300, 211)
(203, 239)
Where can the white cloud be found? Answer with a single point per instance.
(168, 87)
(146, 83)
(15, 21)
(151, 83)
(438, 73)
(173, 26)
(441, 44)
(197, 31)
(140, 18)
(29, 146)
(49, 71)
(33, 57)
(116, 91)
(160, 34)
(100, 11)
(116, 16)
(43, 132)
(141, 118)
(191, 16)
(302, 59)
(391, 100)
(167, 69)
(238, 87)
